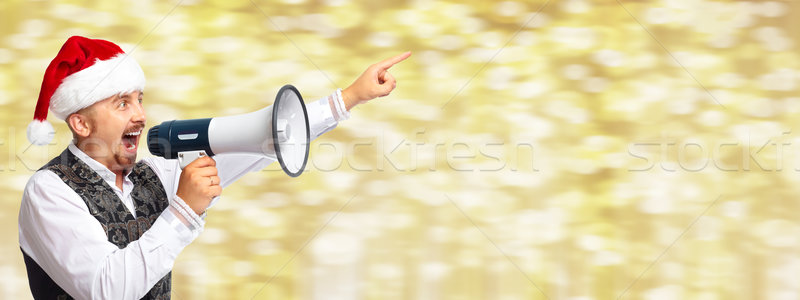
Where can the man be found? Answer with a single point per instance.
(96, 224)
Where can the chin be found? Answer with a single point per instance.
(126, 160)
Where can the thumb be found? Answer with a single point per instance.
(381, 76)
(388, 84)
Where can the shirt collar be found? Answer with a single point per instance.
(99, 168)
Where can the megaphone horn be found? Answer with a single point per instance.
(279, 131)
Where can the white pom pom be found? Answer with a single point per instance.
(40, 132)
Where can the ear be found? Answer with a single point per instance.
(80, 124)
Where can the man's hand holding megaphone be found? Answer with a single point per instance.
(199, 184)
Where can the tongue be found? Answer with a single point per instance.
(127, 141)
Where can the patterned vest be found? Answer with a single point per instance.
(121, 227)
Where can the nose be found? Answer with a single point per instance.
(138, 112)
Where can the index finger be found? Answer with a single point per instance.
(389, 62)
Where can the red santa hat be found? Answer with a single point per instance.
(84, 72)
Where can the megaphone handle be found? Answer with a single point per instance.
(187, 157)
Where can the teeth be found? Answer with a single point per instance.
(131, 147)
(134, 133)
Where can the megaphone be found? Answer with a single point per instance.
(279, 131)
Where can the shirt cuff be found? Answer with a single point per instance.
(338, 107)
(324, 114)
(183, 219)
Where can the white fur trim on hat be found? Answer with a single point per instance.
(40, 132)
(105, 78)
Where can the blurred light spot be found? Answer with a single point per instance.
(387, 271)
(273, 200)
(657, 204)
(336, 248)
(685, 102)
(433, 271)
(450, 42)
(335, 2)
(379, 188)
(509, 8)
(773, 38)
(264, 247)
(772, 9)
(243, 268)
(407, 17)
(279, 23)
(667, 292)
(526, 38)
(573, 37)
(311, 22)
(608, 57)
(607, 258)
(160, 112)
(540, 226)
(590, 242)
(653, 92)
(777, 233)
(213, 235)
(537, 20)
(575, 71)
(708, 229)
(729, 80)
(530, 89)
(21, 41)
(499, 78)
(36, 27)
(780, 80)
(757, 133)
(382, 39)
(760, 107)
(595, 84)
(480, 55)
(722, 40)
(6, 56)
(225, 44)
(576, 6)
(712, 118)
(311, 197)
(657, 15)
(491, 39)
(440, 234)
(472, 25)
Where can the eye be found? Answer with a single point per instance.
(123, 104)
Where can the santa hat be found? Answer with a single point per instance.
(84, 72)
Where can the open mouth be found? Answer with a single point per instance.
(131, 139)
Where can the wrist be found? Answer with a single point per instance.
(193, 205)
(348, 99)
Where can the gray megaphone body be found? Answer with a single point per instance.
(279, 131)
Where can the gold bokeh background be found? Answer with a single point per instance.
(598, 150)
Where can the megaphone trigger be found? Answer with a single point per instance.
(187, 157)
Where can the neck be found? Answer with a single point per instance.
(101, 155)
(118, 181)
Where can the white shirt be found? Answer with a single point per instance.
(57, 231)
